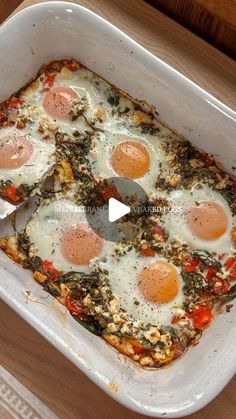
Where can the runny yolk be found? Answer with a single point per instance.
(79, 244)
(159, 282)
(58, 102)
(14, 151)
(207, 220)
(130, 159)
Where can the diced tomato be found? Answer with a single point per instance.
(110, 191)
(203, 319)
(232, 272)
(15, 101)
(138, 350)
(49, 269)
(136, 345)
(211, 272)
(207, 161)
(196, 312)
(229, 262)
(195, 262)
(160, 231)
(74, 306)
(20, 125)
(148, 252)
(10, 192)
(189, 268)
(175, 320)
(234, 184)
(49, 80)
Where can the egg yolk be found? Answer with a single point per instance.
(130, 159)
(159, 282)
(79, 244)
(14, 151)
(58, 102)
(207, 220)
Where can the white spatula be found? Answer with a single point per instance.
(6, 208)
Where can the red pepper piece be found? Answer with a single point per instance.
(203, 319)
(148, 252)
(10, 192)
(189, 268)
(211, 272)
(196, 312)
(138, 350)
(207, 160)
(110, 191)
(160, 231)
(49, 80)
(74, 306)
(232, 272)
(229, 262)
(195, 262)
(49, 269)
(175, 320)
(15, 101)
(20, 125)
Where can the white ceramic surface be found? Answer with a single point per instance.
(57, 30)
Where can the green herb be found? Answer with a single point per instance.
(52, 288)
(114, 100)
(25, 190)
(231, 294)
(150, 129)
(92, 326)
(23, 242)
(208, 259)
(193, 283)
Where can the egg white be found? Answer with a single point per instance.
(46, 226)
(176, 225)
(100, 157)
(123, 278)
(94, 90)
(40, 162)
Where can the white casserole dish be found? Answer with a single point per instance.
(56, 30)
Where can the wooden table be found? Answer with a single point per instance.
(23, 352)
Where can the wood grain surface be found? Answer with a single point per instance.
(26, 354)
(6, 7)
(213, 20)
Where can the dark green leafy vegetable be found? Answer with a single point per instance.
(36, 264)
(114, 100)
(24, 242)
(25, 190)
(208, 259)
(150, 129)
(92, 326)
(52, 288)
(193, 283)
(81, 277)
(231, 294)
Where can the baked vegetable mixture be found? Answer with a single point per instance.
(150, 296)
